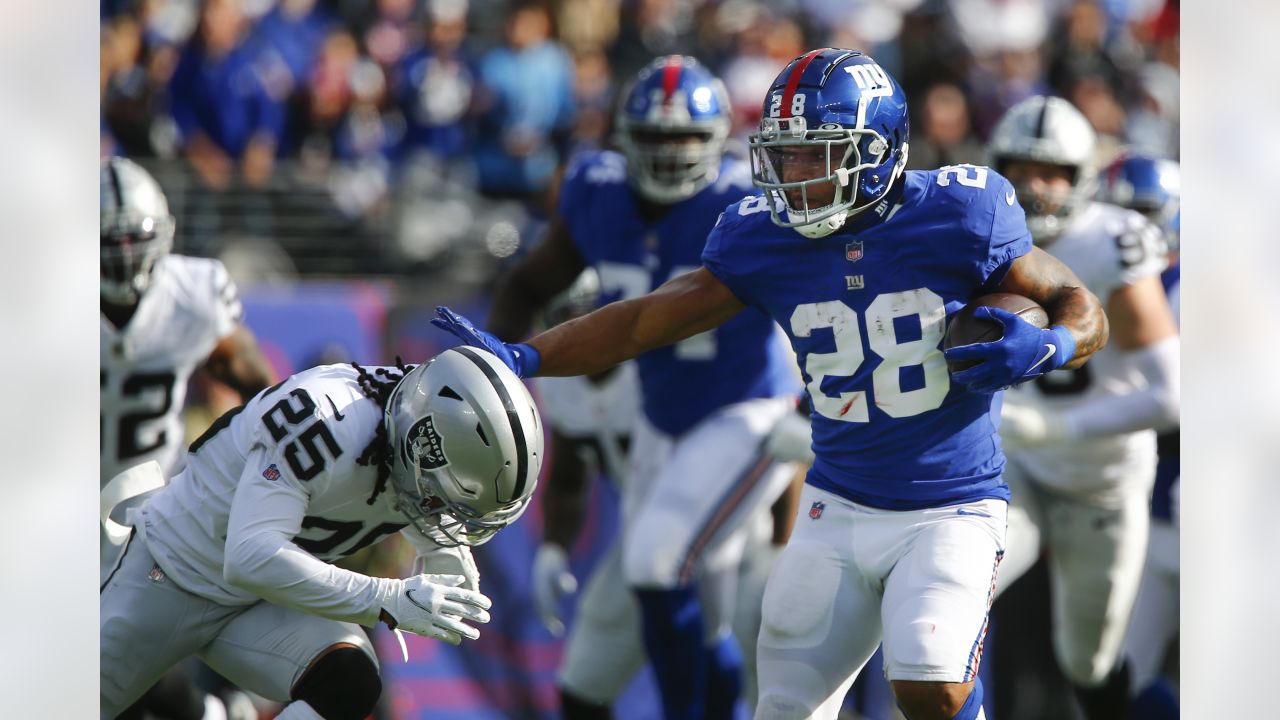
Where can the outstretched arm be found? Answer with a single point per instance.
(1045, 279)
(682, 307)
(238, 363)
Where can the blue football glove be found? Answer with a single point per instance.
(521, 358)
(1023, 353)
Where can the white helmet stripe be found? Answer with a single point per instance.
(517, 428)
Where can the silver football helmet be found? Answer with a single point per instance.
(137, 229)
(467, 445)
(1047, 130)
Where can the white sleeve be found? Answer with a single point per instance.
(1157, 406)
(262, 558)
(227, 309)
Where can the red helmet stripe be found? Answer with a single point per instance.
(793, 81)
(670, 77)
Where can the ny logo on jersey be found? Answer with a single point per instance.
(425, 445)
(815, 512)
(853, 282)
(853, 251)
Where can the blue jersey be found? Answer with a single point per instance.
(683, 383)
(865, 309)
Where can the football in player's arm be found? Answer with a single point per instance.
(231, 560)
(860, 263)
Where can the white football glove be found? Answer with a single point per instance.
(440, 560)
(790, 440)
(434, 606)
(552, 581)
(1024, 423)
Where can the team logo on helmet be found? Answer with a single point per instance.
(424, 443)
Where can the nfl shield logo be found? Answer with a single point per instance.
(853, 251)
(272, 473)
(815, 512)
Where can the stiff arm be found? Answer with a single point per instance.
(681, 308)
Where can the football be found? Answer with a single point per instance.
(965, 329)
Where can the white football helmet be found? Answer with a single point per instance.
(466, 440)
(137, 229)
(1048, 130)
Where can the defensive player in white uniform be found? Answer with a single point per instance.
(1081, 444)
(162, 316)
(230, 561)
(1152, 187)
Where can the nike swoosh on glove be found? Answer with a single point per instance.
(434, 606)
(1024, 352)
(521, 358)
(552, 582)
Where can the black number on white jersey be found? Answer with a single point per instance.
(128, 444)
(304, 454)
(340, 531)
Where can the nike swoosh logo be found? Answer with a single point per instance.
(409, 594)
(1010, 196)
(962, 511)
(1052, 349)
(336, 414)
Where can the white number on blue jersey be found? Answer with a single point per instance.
(968, 175)
(752, 205)
(852, 406)
(630, 281)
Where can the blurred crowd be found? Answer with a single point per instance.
(375, 99)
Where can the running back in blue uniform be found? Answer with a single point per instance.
(682, 383)
(866, 311)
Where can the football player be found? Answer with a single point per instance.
(1082, 441)
(1152, 187)
(162, 316)
(231, 560)
(901, 525)
(696, 470)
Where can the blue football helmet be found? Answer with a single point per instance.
(1148, 185)
(672, 126)
(837, 111)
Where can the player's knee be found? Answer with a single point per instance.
(342, 685)
(781, 704)
(1084, 669)
(922, 700)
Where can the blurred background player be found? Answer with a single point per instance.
(1153, 187)
(325, 463)
(1081, 444)
(696, 472)
(162, 316)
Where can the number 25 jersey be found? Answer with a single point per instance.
(865, 309)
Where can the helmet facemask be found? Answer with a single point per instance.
(670, 163)
(131, 248)
(840, 155)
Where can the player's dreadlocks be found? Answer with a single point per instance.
(378, 452)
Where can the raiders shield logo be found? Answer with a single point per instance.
(425, 444)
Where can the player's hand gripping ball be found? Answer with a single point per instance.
(1001, 339)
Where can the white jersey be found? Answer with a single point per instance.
(191, 305)
(288, 461)
(603, 412)
(1108, 249)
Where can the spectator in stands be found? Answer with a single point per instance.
(434, 84)
(525, 106)
(946, 132)
(228, 117)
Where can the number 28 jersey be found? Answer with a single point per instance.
(865, 309)
(144, 368)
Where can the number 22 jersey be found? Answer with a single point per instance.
(865, 309)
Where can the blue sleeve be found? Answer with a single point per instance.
(1007, 237)
(714, 254)
(181, 88)
(574, 195)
